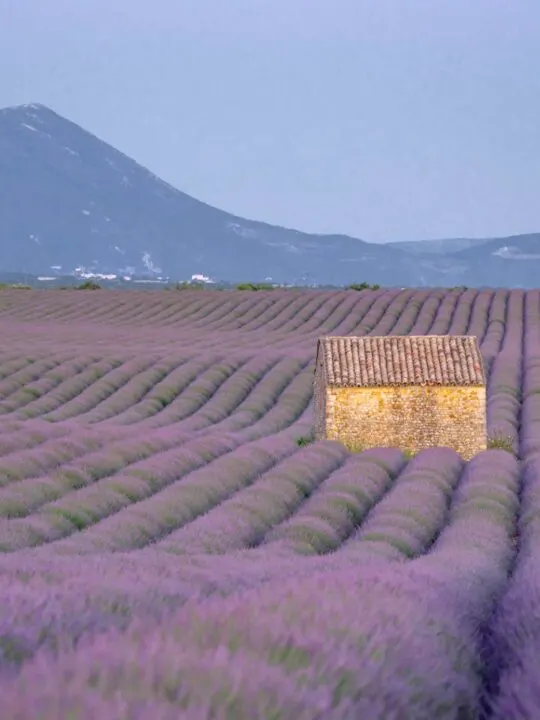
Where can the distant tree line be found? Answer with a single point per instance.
(195, 285)
(363, 286)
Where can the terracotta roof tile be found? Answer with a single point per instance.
(402, 360)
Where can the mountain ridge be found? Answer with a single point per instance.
(70, 202)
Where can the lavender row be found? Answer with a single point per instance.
(139, 389)
(227, 399)
(406, 521)
(461, 319)
(75, 466)
(152, 500)
(340, 504)
(86, 460)
(504, 399)
(77, 394)
(31, 372)
(293, 648)
(515, 641)
(243, 520)
(149, 393)
(107, 322)
(289, 651)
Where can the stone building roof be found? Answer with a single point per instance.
(369, 361)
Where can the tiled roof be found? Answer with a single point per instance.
(369, 361)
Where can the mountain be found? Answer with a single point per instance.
(437, 247)
(505, 262)
(69, 200)
(498, 262)
(72, 204)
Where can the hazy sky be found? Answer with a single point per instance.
(383, 119)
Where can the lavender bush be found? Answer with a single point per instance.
(169, 550)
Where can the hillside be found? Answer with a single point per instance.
(69, 200)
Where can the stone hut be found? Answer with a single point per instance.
(410, 392)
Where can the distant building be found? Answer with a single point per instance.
(410, 392)
(202, 279)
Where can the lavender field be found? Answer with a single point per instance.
(174, 546)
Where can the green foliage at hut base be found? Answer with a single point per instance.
(304, 440)
(500, 442)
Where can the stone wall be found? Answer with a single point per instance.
(408, 417)
(319, 401)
